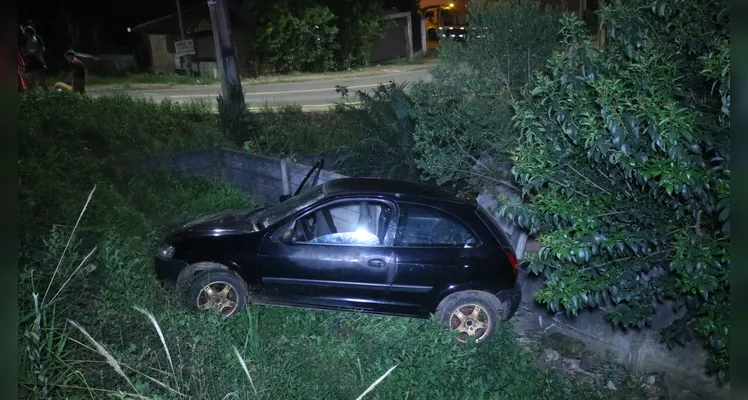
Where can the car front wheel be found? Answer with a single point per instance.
(472, 314)
(219, 291)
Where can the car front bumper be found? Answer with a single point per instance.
(511, 299)
(168, 269)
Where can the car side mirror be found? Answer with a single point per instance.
(285, 197)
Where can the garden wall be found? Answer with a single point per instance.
(258, 175)
(638, 351)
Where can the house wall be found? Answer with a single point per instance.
(392, 44)
(161, 59)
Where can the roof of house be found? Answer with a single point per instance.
(196, 20)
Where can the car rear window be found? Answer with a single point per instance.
(428, 227)
(495, 228)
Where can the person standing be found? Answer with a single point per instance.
(78, 72)
(34, 50)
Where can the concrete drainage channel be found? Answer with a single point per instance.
(585, 345)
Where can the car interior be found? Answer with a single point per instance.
(350, 223)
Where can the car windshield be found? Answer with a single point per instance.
(272, 215)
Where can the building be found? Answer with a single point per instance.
(161, 34)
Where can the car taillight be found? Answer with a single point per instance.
(513, 260)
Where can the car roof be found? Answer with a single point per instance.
(398, 188)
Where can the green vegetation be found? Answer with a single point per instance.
(464, 133)
(95, 323)
(289, 131)
(624, 155)
(621, 155)
(382, 129)
(306, 36)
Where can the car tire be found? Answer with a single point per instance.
(472, 313)
(218, 290)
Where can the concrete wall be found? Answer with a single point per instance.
(392, 44)
(161, 59)
(257, 175)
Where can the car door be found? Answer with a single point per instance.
(435, 250)
(338, 254)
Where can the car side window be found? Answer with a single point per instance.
(428, 227)
(351, 223)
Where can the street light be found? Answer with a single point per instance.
(129, 29)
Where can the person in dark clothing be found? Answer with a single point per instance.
(78, 72)
(33, 51)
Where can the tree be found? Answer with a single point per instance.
(293, 35)
(311, 35)
(464, 133)
(383, 132)
(360, 23)
(624, 159)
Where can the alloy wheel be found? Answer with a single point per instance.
(220, 297)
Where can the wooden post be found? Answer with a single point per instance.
(187, 62)
(519, 251)
(285, 179)
(217, 49)
(231, 84)
(424, 45)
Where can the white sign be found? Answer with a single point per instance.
(184, 47)
(211, 3)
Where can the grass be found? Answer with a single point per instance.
(94, 323)
(288, 130)
(135, 81)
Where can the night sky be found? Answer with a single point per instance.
(107, 19)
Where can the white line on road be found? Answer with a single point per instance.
(278, 92)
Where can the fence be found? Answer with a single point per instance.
(260, 176)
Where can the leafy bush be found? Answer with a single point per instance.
(302, 43)
(383, 132)
(304, 35)
(291, 35)
(464, 114)
(361, 24)
(625, 156)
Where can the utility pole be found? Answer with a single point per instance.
(183, 36)
(228, 64)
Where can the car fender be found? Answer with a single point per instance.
(191, 270)
(464, 286)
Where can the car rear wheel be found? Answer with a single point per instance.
(472, 314)
(220, 291)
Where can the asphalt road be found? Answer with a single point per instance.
(310, 95)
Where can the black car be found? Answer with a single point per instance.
(375, 245)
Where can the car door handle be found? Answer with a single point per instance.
(377, 263)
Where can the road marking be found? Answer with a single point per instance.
(278, 92)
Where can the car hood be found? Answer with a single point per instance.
(224, 223)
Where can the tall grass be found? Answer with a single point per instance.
(124, 81)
